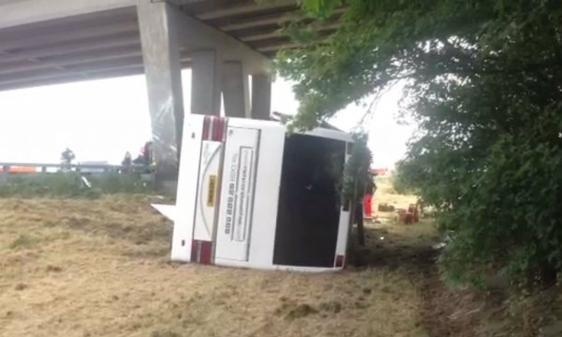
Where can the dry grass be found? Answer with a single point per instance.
(387, 194)
(499, 312)
(408, 235)
(100, 268)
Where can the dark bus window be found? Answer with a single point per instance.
(309, 201)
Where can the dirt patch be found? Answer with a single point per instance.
(446, 312)
(408, 251)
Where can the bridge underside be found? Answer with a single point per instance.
(107, 43)
(225, 42)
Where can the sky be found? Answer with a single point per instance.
(100, 120)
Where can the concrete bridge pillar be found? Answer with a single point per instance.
(261, 96)
(206, 77)
(164, 31)
(162, 65)
(236, 91)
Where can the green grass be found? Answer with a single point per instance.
(70, 185)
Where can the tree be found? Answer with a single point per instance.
(357, 179)
(485, 87)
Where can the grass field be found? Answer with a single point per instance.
(101, 268)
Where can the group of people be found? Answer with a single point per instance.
(144, 160)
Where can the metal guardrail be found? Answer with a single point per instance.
(43, 167)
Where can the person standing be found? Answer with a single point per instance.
(370, 188)
(67, 157)
(126, 163)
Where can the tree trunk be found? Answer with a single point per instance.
(360, 226)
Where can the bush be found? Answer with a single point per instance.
(70, 185)
(356, 173)
(510, 217)
(499, 204)
(119, 183)
(384, 207)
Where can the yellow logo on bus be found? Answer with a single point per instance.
(212, 192)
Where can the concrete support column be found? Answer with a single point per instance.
(261, 96)
(163, 75)
(235, 90)
(206, 83)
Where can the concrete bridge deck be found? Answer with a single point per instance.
(227, 44)
(44, 42)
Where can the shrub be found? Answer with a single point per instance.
(70, 185)
(510, 217)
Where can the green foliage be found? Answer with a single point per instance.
(506, 216)
(484, 84)
(120, 183)
(321, 8)
(69, 185)
(404, 180)
(356, 173)
(44, 185)
(382, 41)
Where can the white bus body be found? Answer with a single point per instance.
(251, 195)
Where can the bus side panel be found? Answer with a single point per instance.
(207, 190)
(187, 188)
(345, 219)
(237, 196)
(267, 181)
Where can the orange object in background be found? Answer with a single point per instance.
(410, 216)
(19, 170)
(368, 206)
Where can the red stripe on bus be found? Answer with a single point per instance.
(206, 252)
(340, 261)
(218, 129)
(201, 252)
(206, 128)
